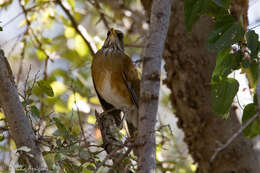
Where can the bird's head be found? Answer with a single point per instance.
(114, 40)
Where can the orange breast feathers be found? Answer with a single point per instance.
(107, 74)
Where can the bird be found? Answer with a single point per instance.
(116, 80)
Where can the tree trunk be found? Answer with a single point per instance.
(189, 66)
(150, 84)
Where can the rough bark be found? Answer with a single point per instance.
(20, 127)
(112, 143)
(189, 66)
(150, 84)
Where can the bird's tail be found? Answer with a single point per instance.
(132, 124)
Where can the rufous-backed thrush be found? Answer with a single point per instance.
(116, 81)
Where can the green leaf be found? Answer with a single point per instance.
(35, 111)
(72, 3)
(252, 42)
(226, 63)
(253, 128)
(41, 1)
(222, 94)
(58, 142)
(58, 157)
(41, 54)
(91, 119)
(2, 138)
(71, 166)
(80, 46)
(62, 131)
(45, 87)
(89, 167)
(192, 11)
(252, 75)
(222, 3)
(69, 32)
(58, 123)
(255, 99)
(1, 29)
(226, 32)
(26, 2)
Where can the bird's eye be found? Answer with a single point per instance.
(108, 33)
(120, 35)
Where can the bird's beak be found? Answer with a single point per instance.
(113, 32)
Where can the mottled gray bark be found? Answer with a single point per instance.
(150, 84)
(20, 127)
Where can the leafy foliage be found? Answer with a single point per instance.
(193, 9)
(225, 32)
(45, 88)
(253, 43)
(237, 49)
(226, 63)
(222, 94)
(253, 129)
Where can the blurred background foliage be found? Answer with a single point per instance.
(49, 44)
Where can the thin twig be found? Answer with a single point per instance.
(25, 92)
(120, 158)
(13, 38)
(238, 102)
(108, 157)
(14, 46)
(79, 29)
(79, 118)
(20, 69)
(102, 15)
(135, 45)
(22, 12)
(45, 68)
(40, 46)
(28, 22)
(233, 137)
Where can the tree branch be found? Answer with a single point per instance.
(111, 143)
(150, 84)
(79, 29)
(102, 15)
(233, 137)
(20, 127)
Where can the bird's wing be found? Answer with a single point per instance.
(132, 82)
(130, 89)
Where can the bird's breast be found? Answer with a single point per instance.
(110, 92)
